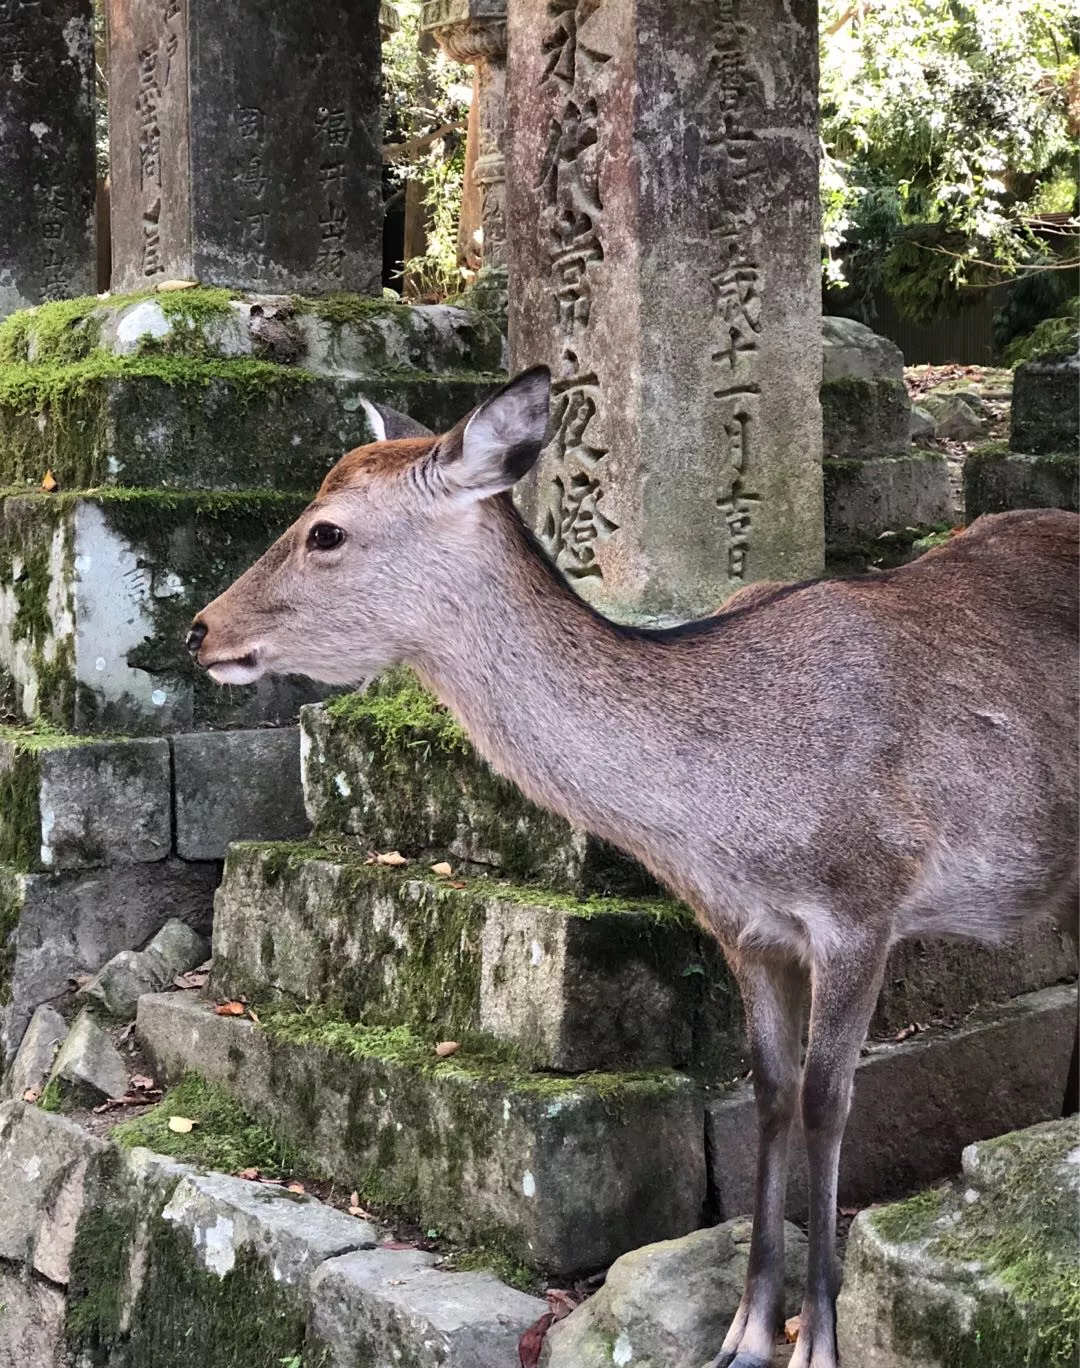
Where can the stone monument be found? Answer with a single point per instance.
(245, 144)
(664, 261)
(46, 151)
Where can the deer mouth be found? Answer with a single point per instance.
(243, 669)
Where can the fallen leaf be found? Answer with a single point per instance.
(561, 1302)
(791, 1329)
(392, 857)
(49, 483)
(912, 1028)
(457, 885)
(167, 286)
(849, 1211)
(398, 1244)
(142, 1082)
(193, 979)
(31, 1095)
(181, 1124)
(253, 1017)
(101, 1107)
(230, 1009)
(354, 1199)
(395, 1282)
(531, 1343)
(447, 1047)
(249, 1173)
(295, 1187)
(442, 869)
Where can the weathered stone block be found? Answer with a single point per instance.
(851, 350)
(96, 596)
(236, 786)
(251, 154)
(996, 480)
(562, 1173)
(392, 1306)
(917, 1104)
(669, 1304)
(958, 415)
(864, 498)
(45, 1161)
(46, 152)
(984, 1271)
(862, 419)
(57, 927)
(392, 766)
(680, 316)
(37, 1050)
(72, 804)
(88, 1068)
(1045, 416)
(118, 985)
(571, 984)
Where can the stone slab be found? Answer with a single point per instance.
(982, 1271)
(392, 1305)
(250, 154)
(47, 153)
(88, 1069)
(864, 498)
(37, 1050)
(32, 1328)
(917, 1104)
(852, 350)
(118, 985)
(412, 782)
(68, 805)
(45, 1159)
(57, 927)
(1044, 417)
(96, 596)
(647, 147)
(236, 786)
(572, 985)
(862, 419)
(996, 480)
(565, 1174)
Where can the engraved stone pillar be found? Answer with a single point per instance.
(46, 151)
(245, 143)
(474, 32)
(664, 261)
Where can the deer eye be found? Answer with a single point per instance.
(325, 536)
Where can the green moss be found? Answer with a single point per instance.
(60, 332)
(482, 1259)
(10, 910)
(52, 1098)
(342, 308)
(911, 1219)
(225, 1136)
(398, 712)
(1052, 339)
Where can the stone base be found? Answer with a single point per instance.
(393, 767)
(70, 805)
(1045, 417)
(58, 927)
(571, 985)
(860, 417)
(97, 593)
(916, 1104)
(563, 1174)
(996, 480)
(864, 498)
(109, 1254)
(983, 1272)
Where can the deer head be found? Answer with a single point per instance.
(345, 592)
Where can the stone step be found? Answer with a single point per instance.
(996, 479)
(392, 766)
(96, 595)
(562, 1173)
(59, 927)
(572, 984)
(212, 1269)
(982, 1271)
(867, 497)
(916, 1104)
(862, 415)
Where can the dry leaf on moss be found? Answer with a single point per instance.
(447, 1047)
(181, 1124)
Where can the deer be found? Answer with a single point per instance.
(818, 769)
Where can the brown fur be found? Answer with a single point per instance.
(818, 769)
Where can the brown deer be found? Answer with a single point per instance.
(819, 770)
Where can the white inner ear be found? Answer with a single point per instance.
(488, 435)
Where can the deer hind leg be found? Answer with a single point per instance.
(844, 991)
(774, 997)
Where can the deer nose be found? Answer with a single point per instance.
(196, 637)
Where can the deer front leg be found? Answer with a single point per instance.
(774, 997)
(844, 991)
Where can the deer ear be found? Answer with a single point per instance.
(499, 441)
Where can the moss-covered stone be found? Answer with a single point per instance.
(1045, 417)
(981, 1275)
(392, 766)
(862, 418)
(996, 479)
(559, 1172)
(865, 499)
(96, 596)
(572, 983)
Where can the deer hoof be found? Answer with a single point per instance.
(732, 1359)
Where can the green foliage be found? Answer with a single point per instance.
(1052, 337)
(945, 126)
